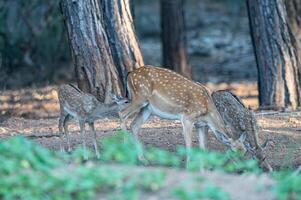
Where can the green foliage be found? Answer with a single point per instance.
(288, 185)
(32, 172)
(121, 148)
(29, 171)
(227, 162)
(209, 192)
(127, 152)
(162, 158)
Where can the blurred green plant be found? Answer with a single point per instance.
(29, 171)
(121, 148)
(32, 172)
(288, 185)
(127, 152)
(209, 192)
(227, 162)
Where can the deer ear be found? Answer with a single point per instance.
(266, 144)
(250, 148)
(243, 137)
(113, 96)
(224, 139)
(119, 100)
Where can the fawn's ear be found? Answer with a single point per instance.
(119, 100)
(243, 137)
(224, 139)
(266, 144)
(113, 97)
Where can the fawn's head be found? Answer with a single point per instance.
(259, 153)
(120, 101)
(224, 133)
(110, 108)
(238, 144)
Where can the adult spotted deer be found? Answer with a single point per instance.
(241, 121)
(164, 93)
(85, 108)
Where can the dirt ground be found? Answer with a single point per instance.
(34, 114)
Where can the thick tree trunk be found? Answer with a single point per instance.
(91, 54)
(122, 37)
(173, 37)
(103, 44)
(276, 57)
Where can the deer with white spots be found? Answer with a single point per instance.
(241, 120)
(85, 108)
(165, 93)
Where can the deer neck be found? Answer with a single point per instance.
(102, 109)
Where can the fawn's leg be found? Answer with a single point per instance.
(66, 121)
(137, 122)
(63, 116)
(82, 132)
(187, 132)
(92, 128)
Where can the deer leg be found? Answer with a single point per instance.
(137, 122)
(63, 116)
(133, 107)
(187, 132)
(203, 136)
(82, 132)
(92, 128)
(140, 119)
(66, 121)
(218, 128)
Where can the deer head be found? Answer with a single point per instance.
(259, 153)
(110, 108)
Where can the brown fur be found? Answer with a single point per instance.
(240, 120)
(85, 108)
(169, 95)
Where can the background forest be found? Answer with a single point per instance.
(34, 48)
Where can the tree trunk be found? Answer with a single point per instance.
(103, 44)
(293, 8)
(91, 54)
(276, 57)
(173, 37)
(122, 37)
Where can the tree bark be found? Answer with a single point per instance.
(293, 8)
(122, 37)
(103, 44)
(173, 37)
(276, 57)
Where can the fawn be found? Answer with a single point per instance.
(169, 95)
(241, 121)
(85, 108)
